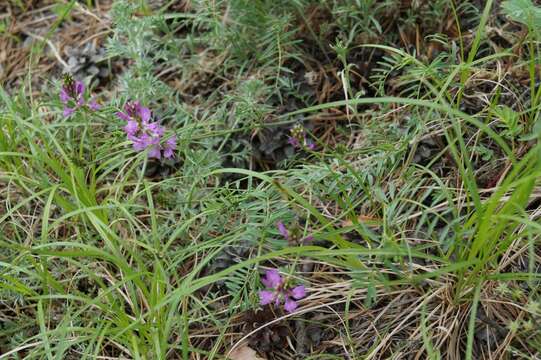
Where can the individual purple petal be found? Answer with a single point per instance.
(64, 97)
(154, 139)
(311, 146)
(131, 128)
(266, 282)
(68, 111)
(171, 142)
(155, 128)
(308, 239)
(293, 141)
(155, 152)
(266, 297)
(298, 292)
(169, 147)
(143, 112)
(139, 144)
(282, 229)
(168, 153)
(123, 116)
(134, 107)
(129, 108)
(79, 88)
(147, 140)
(93, 105)
(272, 279)
(289, 305)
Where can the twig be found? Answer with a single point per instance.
(51, 45)
(91, 14)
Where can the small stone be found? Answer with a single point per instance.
(314, 334)
(93, 70)
(88, 50)
(95, 58)
(69, 51)
(28, 42)
(104, 72)
(72, 62)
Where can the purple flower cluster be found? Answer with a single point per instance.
(279, 291)
(72, 96)
(298, 138)
(145, 134)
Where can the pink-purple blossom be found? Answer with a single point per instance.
(282, 229)
(293, 141)
(298, 138)
(169, 147)
(93, 105)
(278, 291)
(144, 134)
(72, 95)
(134, 111)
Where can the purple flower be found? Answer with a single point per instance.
(131, 128)
(155, 152)
(279, 291)
(144, 113)
(154, 128)
(134, 111)
(298, 138)
(145, 134)
(266, 297)
(93, 105)
(272, 279)
(169, 147)
(294, 142)
(282, 229)
(290, 305)
(298, 292)
(68, 111)
(72, 96)
(139, 143)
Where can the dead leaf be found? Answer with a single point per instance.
(369, 221)
(244, 352)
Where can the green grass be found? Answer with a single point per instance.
(410, 257)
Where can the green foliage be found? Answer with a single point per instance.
(100, 259)
(510, 121)
(135, 39)
(523, 11)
